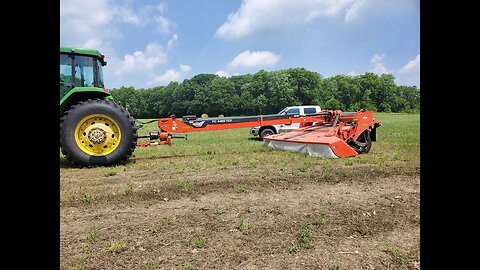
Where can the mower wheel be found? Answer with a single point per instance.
(363, 144)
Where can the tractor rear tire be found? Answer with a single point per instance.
(97, 133)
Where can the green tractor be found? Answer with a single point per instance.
(94, 129)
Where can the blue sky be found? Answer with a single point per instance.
(150, 43)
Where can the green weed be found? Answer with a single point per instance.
(92, 235)
(117, 247)
(110, 173)
(240, 189)
(189, 267)
(305, 236)
(199, 242)
(86, 198)
(242, 225)
(129, 189)
(397, 254)
(293, 248)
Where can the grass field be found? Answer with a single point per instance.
(223, 200)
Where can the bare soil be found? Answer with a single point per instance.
(239, 217)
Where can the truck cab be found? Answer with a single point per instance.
(263, 131)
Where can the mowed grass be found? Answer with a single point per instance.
(397, 147)
(396, 130)
(244, 161)
(398, 144)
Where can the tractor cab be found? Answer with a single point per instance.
(80, 68)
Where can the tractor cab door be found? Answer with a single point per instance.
(66, 72)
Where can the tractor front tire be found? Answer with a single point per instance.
(97, 133)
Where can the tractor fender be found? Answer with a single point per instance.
(78, 94)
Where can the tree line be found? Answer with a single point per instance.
(267, 93)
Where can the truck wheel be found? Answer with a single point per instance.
(266, 132)
(97, 133)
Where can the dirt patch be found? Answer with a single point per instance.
(208, 221)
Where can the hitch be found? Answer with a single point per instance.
(164, 138)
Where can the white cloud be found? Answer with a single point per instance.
(223, 73)
(93, 43)
(139, 61)
(126, 15)
(171, 75)
(167, 77)
(377, 63)
(354, 10)
(105, 47)
(257, 17)
(162, 7)
(77, 26)
(260, 16)
(325, 8)
(100, 24)
(185, 68)
(409, 74)
(352, 73)
(171, 41)
(163, 24)
(256, 59)
(81, 21)
(411, 66)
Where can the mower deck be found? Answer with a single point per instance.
(318, 141)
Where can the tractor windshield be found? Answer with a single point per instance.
(88, 72)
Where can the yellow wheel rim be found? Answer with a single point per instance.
(97, 135)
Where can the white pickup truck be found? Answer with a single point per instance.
(263, 131)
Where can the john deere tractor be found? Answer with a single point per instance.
(94, 129)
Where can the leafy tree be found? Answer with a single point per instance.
(304, 83)
(259, 104)
(268, 92)
(222, 96)
(333, 104)
(278, 91)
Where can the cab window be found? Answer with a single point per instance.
(293, 111)
(65, 69)
(100, 74)
(309, 110)
(84, 71)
